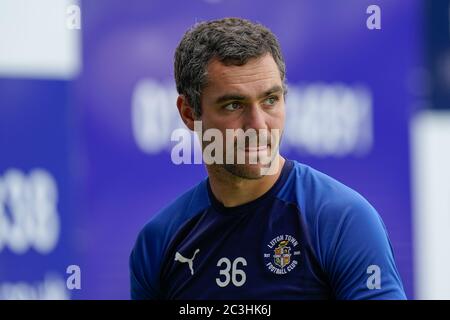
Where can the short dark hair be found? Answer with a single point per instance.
(233, 41)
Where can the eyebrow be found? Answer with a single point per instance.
(238, 97)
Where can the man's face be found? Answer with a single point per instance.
(244, 97)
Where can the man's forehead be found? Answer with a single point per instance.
(258, 74)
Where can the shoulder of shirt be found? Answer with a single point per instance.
(154, 238)
(344, 229)
(167, 220)
(319, 196)
(327, 207)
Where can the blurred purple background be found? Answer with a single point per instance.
(104, 134)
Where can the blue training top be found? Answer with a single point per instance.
(308, 237)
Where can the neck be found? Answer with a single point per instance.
(233, 191)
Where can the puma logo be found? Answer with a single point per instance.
(190, 262)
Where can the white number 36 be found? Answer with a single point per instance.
(235, 272)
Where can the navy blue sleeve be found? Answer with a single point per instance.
(139, 290)
(356, 252)
(143, 266)
(149, 249)
(349, 238)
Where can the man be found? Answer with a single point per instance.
(243, 233)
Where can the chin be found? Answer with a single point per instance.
(245, 171)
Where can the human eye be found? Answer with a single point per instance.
(232, 106)
(271, 101)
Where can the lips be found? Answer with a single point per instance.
(255, 149)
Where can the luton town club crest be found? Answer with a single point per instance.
(282, 254)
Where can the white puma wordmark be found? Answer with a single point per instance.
(190, 262)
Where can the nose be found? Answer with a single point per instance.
(254, 118)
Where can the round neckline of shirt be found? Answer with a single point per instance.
(217, 205)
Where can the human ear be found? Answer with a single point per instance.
(186, 111)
